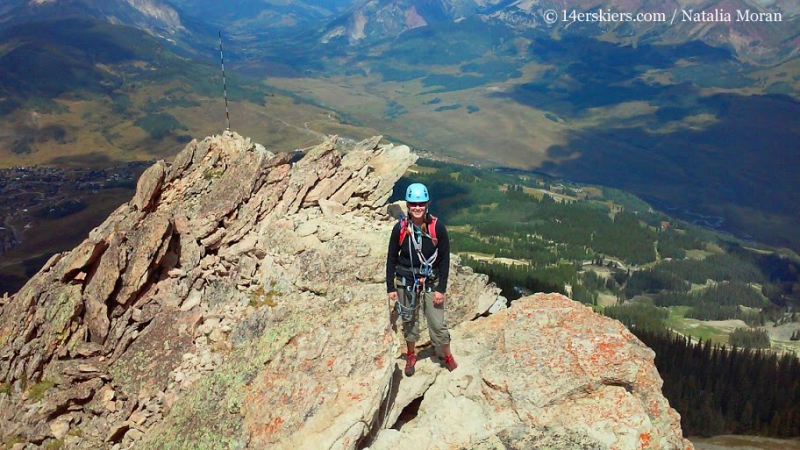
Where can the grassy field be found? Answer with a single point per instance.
(502, 132)
(697, 254)
(415, 169)
(718, 330)
(493, 259)
(98, 135)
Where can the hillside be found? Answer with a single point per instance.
(770, 39)
(157, 17)
(82, 92)
(262, 18)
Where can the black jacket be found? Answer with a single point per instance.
(399, 258)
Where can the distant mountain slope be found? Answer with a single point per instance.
(248, 17)
(154, 16)
(189, 26)
(46, 61)
(9, 5)
(775, 36)
(373, 21)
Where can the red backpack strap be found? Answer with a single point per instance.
(432, 230)
(403, 229)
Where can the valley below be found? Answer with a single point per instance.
(697, 133)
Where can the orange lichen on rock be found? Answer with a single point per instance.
(266, 429)
(644, 440)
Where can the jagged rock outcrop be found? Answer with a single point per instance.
(238, 301)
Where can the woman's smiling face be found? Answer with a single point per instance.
(417, 210)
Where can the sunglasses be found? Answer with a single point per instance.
(417, 205)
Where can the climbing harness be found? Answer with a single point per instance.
(407, 313)
(422, 275)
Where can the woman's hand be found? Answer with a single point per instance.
(393, 296)
(438, 298)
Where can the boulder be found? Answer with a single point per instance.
(546, 367)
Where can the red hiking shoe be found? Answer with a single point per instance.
(411, 360)
(450, 363)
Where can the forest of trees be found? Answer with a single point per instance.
(720, 301)
(727, 293)
(720, 390)
(717, 267)
(749, 338)
(727, 390)
(511, 279)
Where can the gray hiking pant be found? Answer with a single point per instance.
(437, 327)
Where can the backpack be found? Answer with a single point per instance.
(430, 219)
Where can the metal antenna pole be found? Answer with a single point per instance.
(224, 85)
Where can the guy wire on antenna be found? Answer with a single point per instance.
(224, 85)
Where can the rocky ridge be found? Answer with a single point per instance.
(238, 301)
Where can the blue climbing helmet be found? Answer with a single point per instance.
(417, 193)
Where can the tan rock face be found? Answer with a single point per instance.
(238, 301)
(546, 367)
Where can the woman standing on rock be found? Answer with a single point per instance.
(417, 267)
